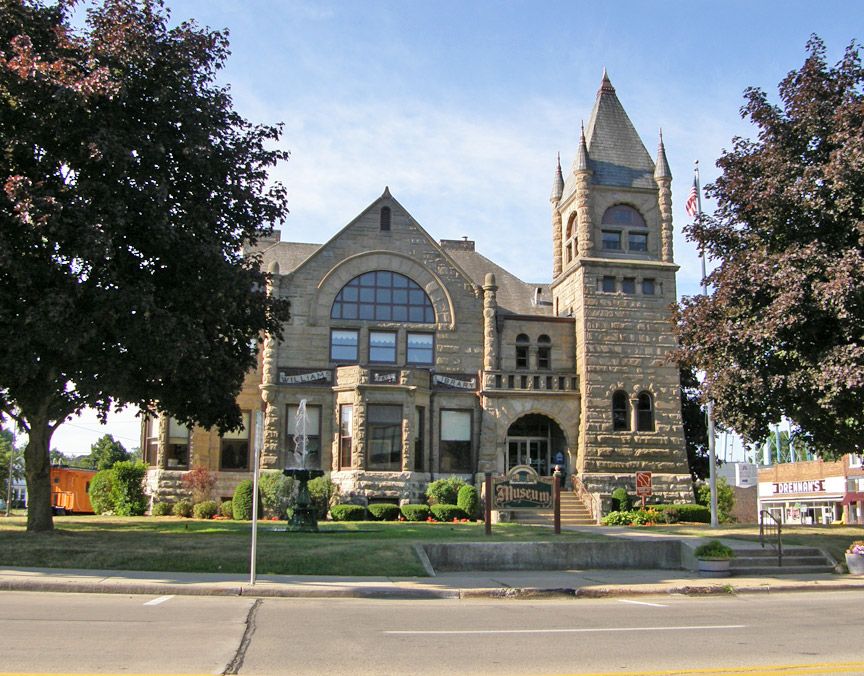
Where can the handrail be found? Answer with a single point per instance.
(592, 504)
(768, 529)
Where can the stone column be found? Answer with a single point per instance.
(665, 204)
(585, 221)
(358, 436)
(557, 264)
(162, 445)
(490, 334)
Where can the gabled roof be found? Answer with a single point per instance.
(616, 154)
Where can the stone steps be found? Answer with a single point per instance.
(755, 562)
(573, 513)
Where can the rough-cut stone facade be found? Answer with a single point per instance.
(504, 372)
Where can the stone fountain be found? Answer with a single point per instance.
(304, 518)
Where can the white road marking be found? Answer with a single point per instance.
(643, 603)
(573, 631)
(161, 599)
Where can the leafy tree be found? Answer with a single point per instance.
(106, 453)
(127, 489)
(695, 422)
(101, 491)
(725, 498)
(782, 334)
(129, 189)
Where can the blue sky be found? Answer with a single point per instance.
(460, 107)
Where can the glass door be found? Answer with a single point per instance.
(533, 452)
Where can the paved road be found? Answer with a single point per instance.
(814, 633)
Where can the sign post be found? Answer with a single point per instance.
(522, 489)
(643, 486)
(487, 508)
(556, 492)
(259, 444)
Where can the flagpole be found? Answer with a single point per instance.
(709, 407)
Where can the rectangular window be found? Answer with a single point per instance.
(854, 461)
(152, 450)
(611, 240)
(608, 285)
(382, 347)
(343, 345)
(384, 438)
(561, 385)
(544, 357)
(628, 285)
(346, 425)
(455, 446)
(638, 241)
(648, 287)
(421, 348)
(177, 453)
(235, 447)
(293, 433)
(521, 356)
(419, 438)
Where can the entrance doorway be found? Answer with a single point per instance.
(536, 441)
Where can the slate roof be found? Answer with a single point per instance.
(289, 255)
(616, 154)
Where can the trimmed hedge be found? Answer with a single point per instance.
(447, 512)
(205, 510)
(444, 491)
(243, 500)
(621, 500)
(383, 512)
(348, 512)
(128, 488)
(227, 508)
(691, 513)
(415, 512)
(183, 508)
(161, 509)
(468, 500)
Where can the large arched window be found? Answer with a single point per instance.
(621, 224)
(571, 243)
(383, 296)
(620, 411)
(645, 413)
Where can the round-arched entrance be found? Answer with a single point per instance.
(537, 441)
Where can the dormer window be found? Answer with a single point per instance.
(385, 219)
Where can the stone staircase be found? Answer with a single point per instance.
(573, 513)
(755, 562)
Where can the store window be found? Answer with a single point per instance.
(620, 411)
(177, 452)
(343, 345)
(235, 447)
(382, 347)
(544, 352)
(522, 344)
(645, 412)
(346, 428)
(383, 296)
(454, 449)
(421, 348)
(294, 432)
(384, 438)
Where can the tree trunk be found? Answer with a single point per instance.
(37, 467)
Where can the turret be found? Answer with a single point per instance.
(557, 192)
(582, 172)
(663, 176)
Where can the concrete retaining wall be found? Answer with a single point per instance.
(468, 556)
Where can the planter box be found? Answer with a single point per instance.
(714, 567)
(855, 562)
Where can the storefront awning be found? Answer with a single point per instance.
(852, 497)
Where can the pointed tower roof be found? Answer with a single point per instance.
(582, 162)
(618, 156)
(557, 183)
(662, 169)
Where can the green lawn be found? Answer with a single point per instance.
(187, 545)
(834, 539)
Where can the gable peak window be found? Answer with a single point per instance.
(384, 219)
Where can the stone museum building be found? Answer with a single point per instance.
(421, 359)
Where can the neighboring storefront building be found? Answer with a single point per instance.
(814, 492)
(420, 359)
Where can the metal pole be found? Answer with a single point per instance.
(9, 485)
(709, 409)
(259, 442)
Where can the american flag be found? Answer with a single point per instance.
(692, 205)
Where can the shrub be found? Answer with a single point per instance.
(199, 481)
(243, 500)
(725, 498)
(713, 549)
(621, 500)
(205, 510)
(447, 512)
(644, 516)
(128, 488)
(348, 512)
(444, 491)
(617, 519)
(323, 493)
(276, 491)
(227, 508)
(694, 513)
(468, 500)
(101, 493)
(415, 512)
(183, 509)
(161, 509)
(383, 512)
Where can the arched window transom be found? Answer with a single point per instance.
(383, 296)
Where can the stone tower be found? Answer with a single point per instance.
(613, 273)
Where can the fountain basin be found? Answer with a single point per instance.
(304, 518)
